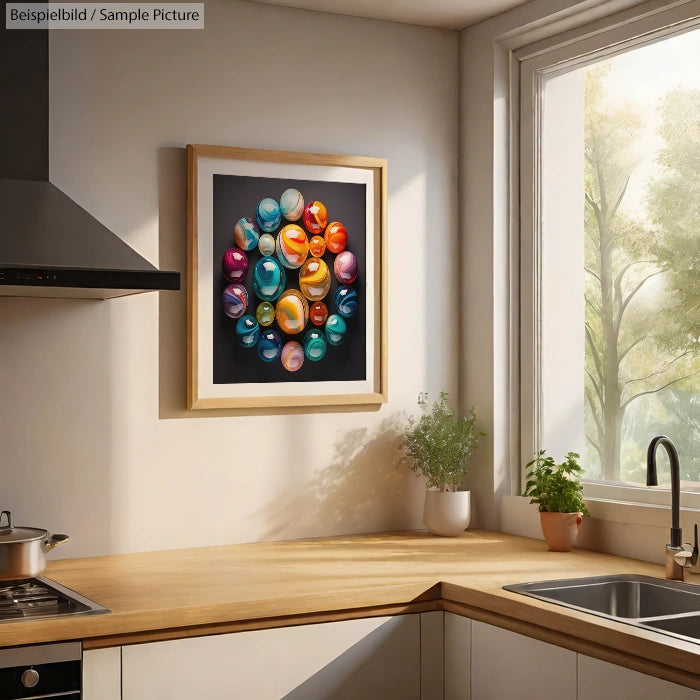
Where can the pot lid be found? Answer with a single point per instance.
(15, 535)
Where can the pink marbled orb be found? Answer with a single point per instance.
(292, 356)
(234, 265)
(345, 267)
(235, 300)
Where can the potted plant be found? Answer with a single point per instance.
(557, 491)
(438, 445)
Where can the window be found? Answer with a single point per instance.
(610, 251)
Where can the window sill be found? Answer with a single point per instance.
(634, 530)
(638, 513)
(516, 509)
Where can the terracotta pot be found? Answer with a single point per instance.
(447, 513)
(560, 530)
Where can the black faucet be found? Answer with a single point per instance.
(677, 556)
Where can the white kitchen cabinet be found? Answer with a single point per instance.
(458, 635)
(509, 665)
(366, 658)
(600, 680)
(432, 655)
(102, 674)
(427, 656)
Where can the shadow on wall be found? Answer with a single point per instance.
(384, 664)
(172, 238)
(362, 485)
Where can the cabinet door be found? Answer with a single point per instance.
(102, 674)
(432, 655)
(458, 635)
(367, 658)
(600, 680)
(509, 665)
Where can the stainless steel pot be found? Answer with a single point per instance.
(22, 549)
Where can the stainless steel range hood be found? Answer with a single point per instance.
(49, 245)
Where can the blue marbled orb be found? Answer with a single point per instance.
(269, 345)
(346, 301)
(246, 234)
(268, 214)
(292, 204)
(335, 329)
(247, 331)
(269, 279)
(315, 345)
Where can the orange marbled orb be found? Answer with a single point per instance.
(318, 313)
(292, 312)
(317, 246)
(314, 279)
(292, 246)
(336, 237)
(315, 217)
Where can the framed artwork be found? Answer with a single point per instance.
(286, 294)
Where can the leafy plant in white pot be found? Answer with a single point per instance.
(438, 446)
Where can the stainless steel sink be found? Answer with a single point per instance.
(687, 626)
(659, 604)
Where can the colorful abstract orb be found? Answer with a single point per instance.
(336, 237)
(265, 313)
(247, 331)
(345, 301)
(315, 217)
(269, 279)
(335, 329)
(234, 265)
(292, 246)
(246, 234)
(292, 356)
(315, 345)
(318, 313)
(345, 267)
(235, 300)
(269, 345)
(317, 246)
(266, 244)
(292, 204)
(268, 214)
(314, 279)
(292, 312)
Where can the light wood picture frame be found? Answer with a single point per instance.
(236, 362)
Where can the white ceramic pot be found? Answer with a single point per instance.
(447, 513)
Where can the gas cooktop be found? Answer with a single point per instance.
(41, 597)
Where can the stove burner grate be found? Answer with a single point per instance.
(40, 597)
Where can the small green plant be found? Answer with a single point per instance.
(438, 445)
(555, 488)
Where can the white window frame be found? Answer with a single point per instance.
(530, 65)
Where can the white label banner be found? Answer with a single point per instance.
(78, 15)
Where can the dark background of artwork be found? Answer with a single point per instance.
(236, 197)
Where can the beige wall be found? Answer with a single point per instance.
(95, 439)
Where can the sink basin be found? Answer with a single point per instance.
(688, 626)
(617, 596)
(643, 601)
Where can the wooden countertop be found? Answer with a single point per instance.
(179, 593)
